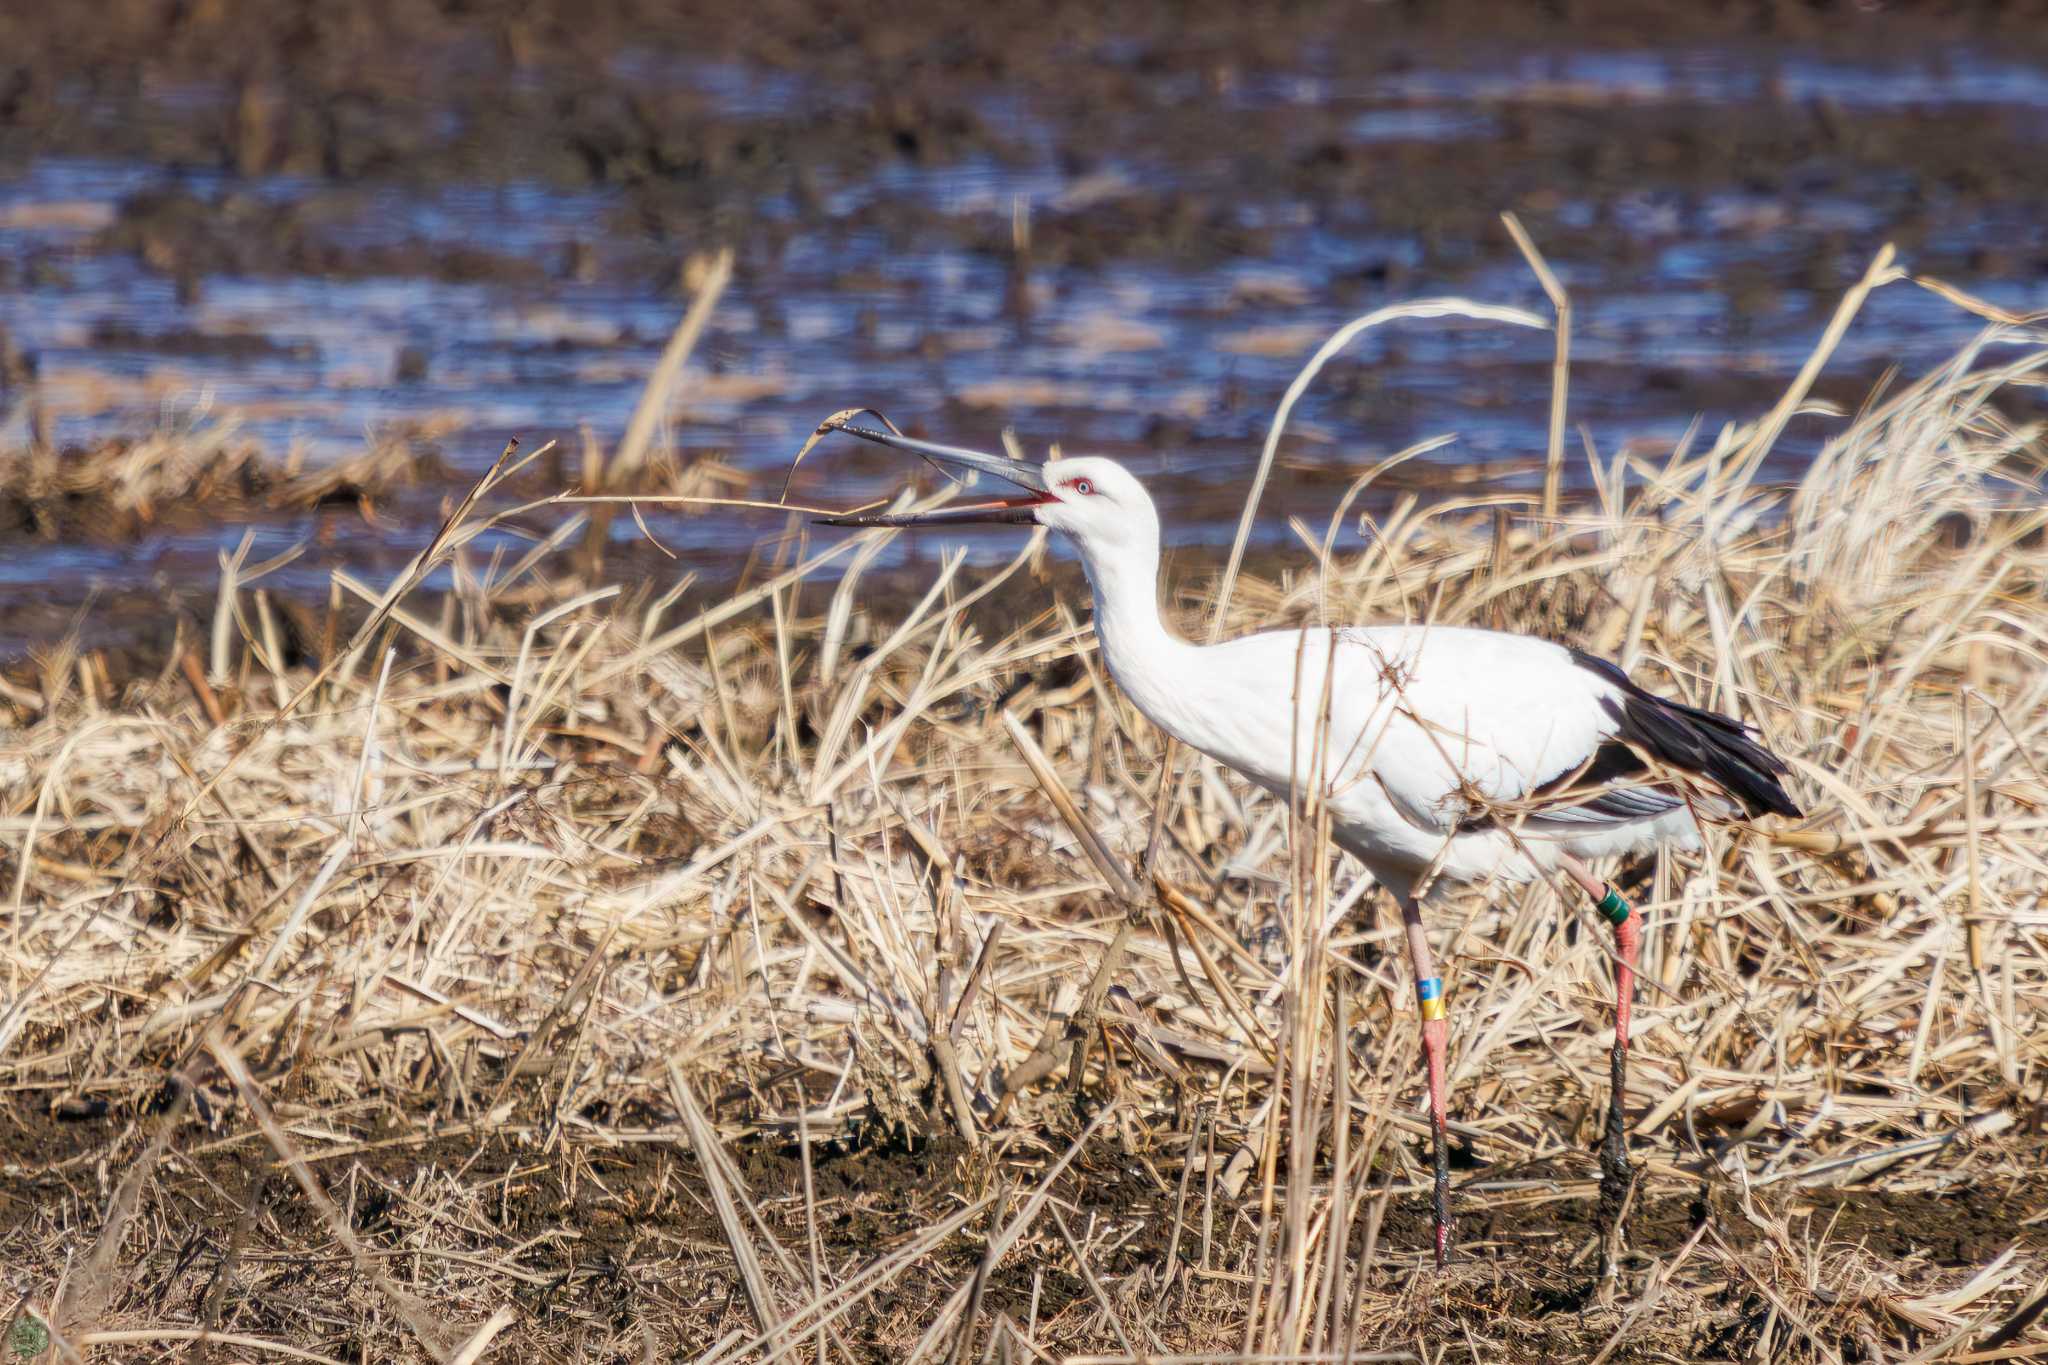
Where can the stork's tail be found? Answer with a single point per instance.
(1696, 740)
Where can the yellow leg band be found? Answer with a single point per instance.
(1434, 1009)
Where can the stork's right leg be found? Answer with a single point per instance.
(1436, 1031)
(1616, 1175)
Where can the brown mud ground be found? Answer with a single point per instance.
(547, 91)
(599, 1227)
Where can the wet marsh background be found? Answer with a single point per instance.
(406, 229)
(455, 928)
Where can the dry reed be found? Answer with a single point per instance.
(560, 976)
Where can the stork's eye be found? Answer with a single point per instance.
(1083, 487)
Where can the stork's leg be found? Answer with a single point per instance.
(1614, 1168)
(1615, 1172)
(1436, 1032)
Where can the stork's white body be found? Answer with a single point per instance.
(1415, 731)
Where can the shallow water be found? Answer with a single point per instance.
(895, 284)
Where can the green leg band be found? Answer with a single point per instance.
(1613, 906)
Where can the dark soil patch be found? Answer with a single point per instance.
(1965, 1226)
(581, 1225)
(244, 346)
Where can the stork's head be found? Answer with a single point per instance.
(1098, 503)
(1093, 500)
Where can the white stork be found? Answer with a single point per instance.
(1442, 753)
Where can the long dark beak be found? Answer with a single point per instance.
(1010, 510)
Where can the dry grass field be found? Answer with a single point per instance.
(534, 969)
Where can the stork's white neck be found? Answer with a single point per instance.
(1147, 659)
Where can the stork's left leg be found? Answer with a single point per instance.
(1436, 1035)
(1614, 1168)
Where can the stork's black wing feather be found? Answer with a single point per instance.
(1600, 790)
(1694, 740)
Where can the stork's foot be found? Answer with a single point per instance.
(1435, 1042)
(1616, 1172)
(1440, 1200)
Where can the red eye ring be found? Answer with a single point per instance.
(1082, 486)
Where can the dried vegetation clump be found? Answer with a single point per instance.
(193, 474)
(552, 973)
(202, 474)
